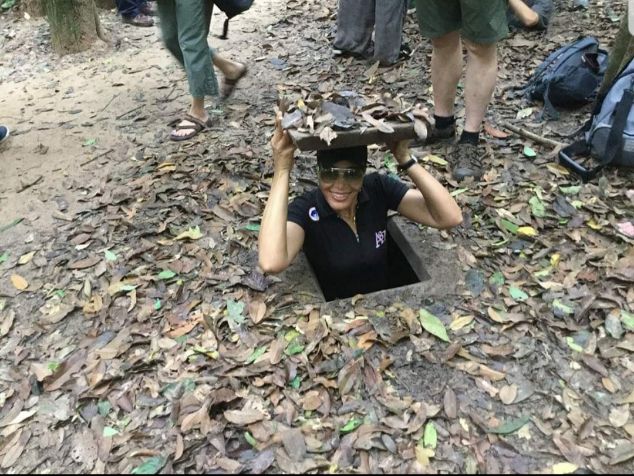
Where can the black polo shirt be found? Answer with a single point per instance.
(347, 264)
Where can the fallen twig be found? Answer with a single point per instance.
(96, 157)
(25, 185)
(106, 106)
(131, 110)
(532, 136)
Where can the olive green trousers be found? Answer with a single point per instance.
(184, 29)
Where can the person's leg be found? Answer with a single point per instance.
(130, 11)
(441, 21)
(128, 8)
(480, 81)
(169, 28)
(388, 30)
(355, 21)
(446, 69)
(193, 18)
(484, 23)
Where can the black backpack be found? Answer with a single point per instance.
(231, 8)
(569, 77)
(608, 136)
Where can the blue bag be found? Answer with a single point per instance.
(569, 77)
(609, 134)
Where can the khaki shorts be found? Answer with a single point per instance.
(480, 21)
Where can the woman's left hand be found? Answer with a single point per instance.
(400, 151)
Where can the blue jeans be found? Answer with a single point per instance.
(129, 8)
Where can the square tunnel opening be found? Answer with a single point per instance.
(426, 265)
(405, 267)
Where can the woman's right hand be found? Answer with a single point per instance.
(283, 147)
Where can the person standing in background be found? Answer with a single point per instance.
(135, 12)
(530, 14)
(184, 30)
(357, 19)
(479, 25)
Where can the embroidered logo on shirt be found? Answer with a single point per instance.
(380, 238)
(312, 213)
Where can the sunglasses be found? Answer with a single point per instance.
(331, 174)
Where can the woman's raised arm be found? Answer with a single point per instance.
(430, 204)
(279, 241)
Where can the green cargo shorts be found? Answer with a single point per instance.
(479, 21)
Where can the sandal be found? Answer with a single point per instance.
(228, 84)
(196, 126)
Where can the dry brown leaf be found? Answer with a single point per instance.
(508, 394)
(327, 135)
(19, 418)
(6, 321)
(493, 132)
(180, 447)
(349, 375)
(59, 313)
(19, 282)
(420, 127)
(609, 385)
(622, 453)
(246, 416)
(423, 454)
(450, 403)
(411, 319)
(460, 322)
(294, 444)
(84, 263)
(257, 311)
(366, 341)
(94, 305)
(193, 420)
(628, 399)
(14, 451)
(487, 387)
(311, 400)
(491, 374)
(65, 371)
(26, 258)
(186, 327)
(620, 415)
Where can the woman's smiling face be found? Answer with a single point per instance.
(341, 191)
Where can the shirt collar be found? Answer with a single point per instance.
(324, 209)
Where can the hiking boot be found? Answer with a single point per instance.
(148, 9)
(467, 161)
(139, 20)
(446, 134)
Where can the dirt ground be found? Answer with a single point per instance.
(137, 335)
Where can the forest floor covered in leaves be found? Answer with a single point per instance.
(137, 335)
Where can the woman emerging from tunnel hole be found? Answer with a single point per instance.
(342, 225)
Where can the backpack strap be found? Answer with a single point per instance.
(225, 30)
(549, 112)
(614, 142)
(615, 139)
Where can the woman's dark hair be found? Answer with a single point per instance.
(357, 155)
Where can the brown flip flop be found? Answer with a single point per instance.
(196, 126)
(228, 85)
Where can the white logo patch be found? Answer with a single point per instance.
(380, 238)
(313, 214)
